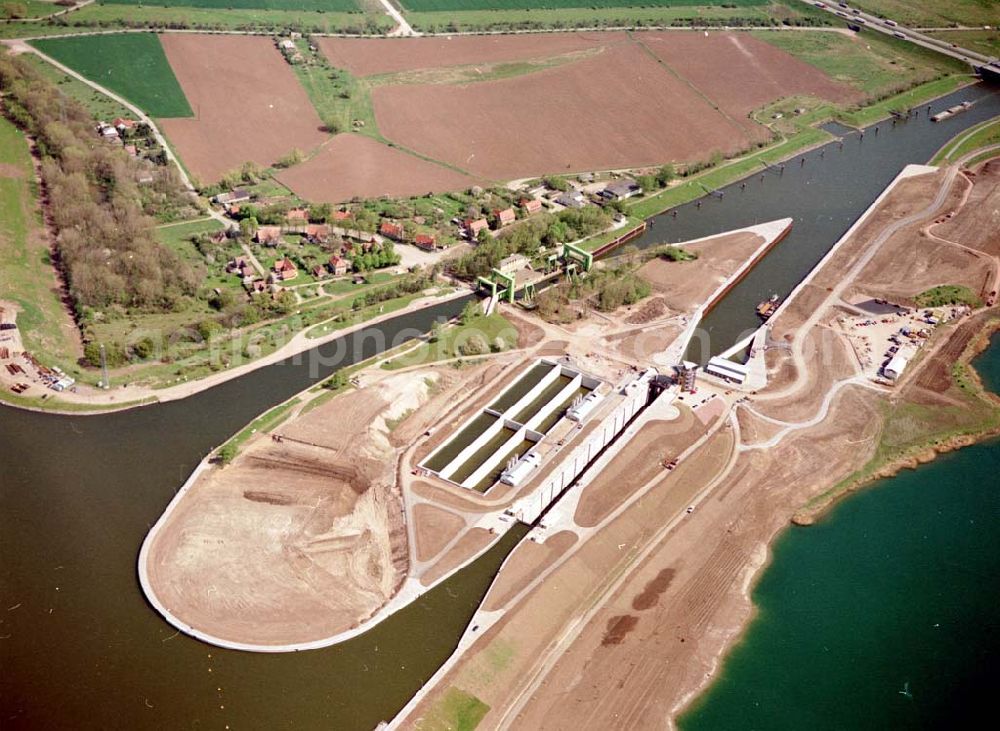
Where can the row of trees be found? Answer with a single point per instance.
(105, 236)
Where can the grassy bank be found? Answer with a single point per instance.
(985, 134)
(593, 15)
(452, 342)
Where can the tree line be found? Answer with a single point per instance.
(100, 202)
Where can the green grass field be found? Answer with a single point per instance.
(99, 105)
(343, 6)
(938, 13)
(26, 274)
(873, 64)
(450, 5)
(132, 65)
(982, 135)
(338, 97)
(448, 344)
(28, 8)
(983, 41)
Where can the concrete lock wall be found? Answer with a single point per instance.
(636, 395)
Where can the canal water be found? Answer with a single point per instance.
(825, 195)
(882, 616)
(79, 647)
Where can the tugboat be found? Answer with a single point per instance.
(766, 308)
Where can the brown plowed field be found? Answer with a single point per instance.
(368, 56)
(616, 109)
(351, 165)
(741, 73)
(247, 102)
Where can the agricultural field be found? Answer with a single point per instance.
(26, 276)
(28, 8)
(590, 16)
(132, 65)
(567, 117)
(352, 165)
(451, 5)
(248, 104)
(319, 6)
(940, 13)
(99, 105)
(872, 63)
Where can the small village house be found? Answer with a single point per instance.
(339, 265)
(317, 233)
(504, 217)
(474, 226)
(427, 242)
(620, 190)
(284, 270)
(531, 205)
(268, 235)
(391, 230)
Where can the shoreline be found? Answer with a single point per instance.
(920, 454)
(927, 453)
(297, 345)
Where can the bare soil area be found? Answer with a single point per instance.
(248, 105)
(659, 637)
(302, 535)
(468, 546)
(829, 359)
(527, 561)
(638, 462)
(368, 56)
(573, 113)
(352, 165)
(434, 528)
(641, 343)
(741, 73)
(684, 285)
(978, 225)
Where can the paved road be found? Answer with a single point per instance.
(875, 23)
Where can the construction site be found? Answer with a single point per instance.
(618, 452)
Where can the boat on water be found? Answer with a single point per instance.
(767, 308)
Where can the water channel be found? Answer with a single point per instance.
(824, 195)
(79, 647)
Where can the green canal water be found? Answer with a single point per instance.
(882, 616)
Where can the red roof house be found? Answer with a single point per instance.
(391, 230)
(425, 241)
(474, 226)
(531, 205)
(268, 235)
(339, 265)
(505, 217)
(285, 270)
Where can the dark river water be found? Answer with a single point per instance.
(80, 648)
(824, 196)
